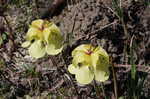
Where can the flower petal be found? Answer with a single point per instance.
(26, 44)
(99, 50)
(101, 75)
(72, 69)
(82, 48)
(37, 23)
(94, 59)
(101, 64)
(80, 58)
(52, 35)
(51, 49)
(33, 33)
(54, 41)
(84, 75)
(100, 58)
(101, 67)
(37, 50)
(54, 29)
(46, 34)
(100, 61)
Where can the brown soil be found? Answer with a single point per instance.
(85, 21)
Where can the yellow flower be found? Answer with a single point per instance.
(43, 37)
(89, 63)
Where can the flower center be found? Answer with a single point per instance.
(42, 28)
(89, 52)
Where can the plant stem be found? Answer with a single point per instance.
(133, 68)
(124, 28)
(115, 82)
(126, 40)
(97, 90)
(102, 87)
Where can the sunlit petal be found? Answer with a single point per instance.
(84, 75)
(38, 23)
(37, 49)
(81, 58)
(26, 44)
(72, 69)
(33, 33)
(82, 48)
(89, 62)
(47, 34)
(52, 50)
(54, 29)
(99, 50)
(101, 75)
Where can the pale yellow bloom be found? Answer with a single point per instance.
(89, 63)
(43, 37)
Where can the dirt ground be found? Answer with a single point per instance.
(82, 21)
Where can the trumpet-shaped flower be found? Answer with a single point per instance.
(89, 63)
(43, 37)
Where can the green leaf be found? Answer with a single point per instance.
(37, 50)
(1, 41)
(5, 36)
(118, 9)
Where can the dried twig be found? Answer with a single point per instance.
(57, 85)
(11, 37)
(115, 81)
(142, 68)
